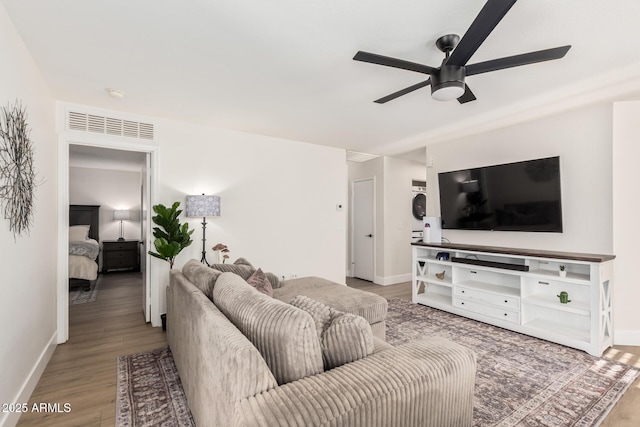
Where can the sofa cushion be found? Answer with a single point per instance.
(259, 281)
(344, 337)
(340, 297)
(203, 277)
(285, 335)
(243, 268)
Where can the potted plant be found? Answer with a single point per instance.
(171, 236)
(563, 270)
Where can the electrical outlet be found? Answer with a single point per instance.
(294, 275)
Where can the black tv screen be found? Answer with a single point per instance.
(521, 196)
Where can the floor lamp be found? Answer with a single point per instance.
(203, 206)
(121, 215)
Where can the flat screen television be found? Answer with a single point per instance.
(521, 196)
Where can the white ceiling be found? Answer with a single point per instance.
(284, 67)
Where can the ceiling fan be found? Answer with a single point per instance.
(448, 81)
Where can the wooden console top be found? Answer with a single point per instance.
(574, 256)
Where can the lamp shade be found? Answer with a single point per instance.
(202, 205)
(121, 215)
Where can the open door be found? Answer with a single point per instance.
(145, 235)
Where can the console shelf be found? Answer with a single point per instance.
(518, 289)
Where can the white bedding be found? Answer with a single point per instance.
(82, 259)
(81, 267)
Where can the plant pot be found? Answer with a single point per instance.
(562, 273)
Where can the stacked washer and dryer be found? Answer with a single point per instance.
(418, 209)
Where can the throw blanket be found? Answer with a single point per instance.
(88, 248)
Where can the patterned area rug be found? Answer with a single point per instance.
(149, 391)
(521, 381)
(77, 294)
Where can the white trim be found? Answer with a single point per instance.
(375, 224)
(626, 337)
(392, 280)
(66, 139)
(30, 383)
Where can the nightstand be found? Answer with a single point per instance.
(118, 255)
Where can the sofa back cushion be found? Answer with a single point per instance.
(203, 277)
(285, 335)
(344, 337)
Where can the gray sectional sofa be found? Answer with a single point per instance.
(247, 359)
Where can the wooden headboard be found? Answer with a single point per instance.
(86, 215)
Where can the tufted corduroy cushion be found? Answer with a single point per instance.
(285, 335)
(344, 337)
(203, 277)
(243, 268)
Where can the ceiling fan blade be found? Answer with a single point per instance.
(374, 58)
(490, 15)
(467, 96)
(517, 60)
(403, 92)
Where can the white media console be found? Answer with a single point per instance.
(518, 289)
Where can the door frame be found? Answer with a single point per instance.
(64, 142)
(375, 225)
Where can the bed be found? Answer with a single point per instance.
(84, 230)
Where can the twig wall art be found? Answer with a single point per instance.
(17, 174)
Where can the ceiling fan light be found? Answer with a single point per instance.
(447, 91)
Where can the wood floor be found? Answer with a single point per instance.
(82, 372)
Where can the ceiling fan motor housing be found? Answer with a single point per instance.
(448, 82)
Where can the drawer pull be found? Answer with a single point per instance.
(506, 314)
(461, 303)
(462, 291)
(506, 301)
(543, 283)
(473, 272)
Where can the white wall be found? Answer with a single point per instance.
(599, 153)
(28, 263)
(626, 233)
(112, 190)
(398, 217)
(582, 138)
(278, 198)
(393, 215)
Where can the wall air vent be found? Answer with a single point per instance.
(109, 125)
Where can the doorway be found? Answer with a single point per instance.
(363, 236)
(149, 156)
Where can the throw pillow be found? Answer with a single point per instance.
(344, 337)
(243, 261)
(78, 233)
(259, 281)
(243, 271)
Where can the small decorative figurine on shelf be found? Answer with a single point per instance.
(563, 270)
(564, 297)
(441, 275)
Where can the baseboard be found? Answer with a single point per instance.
(10, 419)
(392, 280)
(626, 337)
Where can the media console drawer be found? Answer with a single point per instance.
(506, 301)
(488, 310)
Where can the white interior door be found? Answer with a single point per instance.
(145, 234)
(363, 225)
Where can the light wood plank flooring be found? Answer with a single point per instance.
(82, 372)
